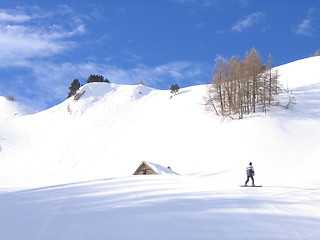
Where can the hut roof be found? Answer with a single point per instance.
(158, 169)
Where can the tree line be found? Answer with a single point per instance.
(242, 86)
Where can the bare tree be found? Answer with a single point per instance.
(241, 87)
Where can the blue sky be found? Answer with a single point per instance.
(45, 45)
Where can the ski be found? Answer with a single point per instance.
(250, 186)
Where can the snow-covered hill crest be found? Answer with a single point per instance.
(300, 73)
(12, 109)
(90, 94)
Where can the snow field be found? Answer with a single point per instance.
(161, 207)
(50, 163)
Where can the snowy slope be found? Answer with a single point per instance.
(12, 109)
(112, 128)
(300, 73)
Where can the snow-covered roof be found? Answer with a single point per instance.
(161, 170)
(158, 169)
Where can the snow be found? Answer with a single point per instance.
(65, 173)
(161, 207)
(12, 109)
(160, 169)
(300, 73)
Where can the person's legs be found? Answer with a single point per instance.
(247, 180)
(252, 180)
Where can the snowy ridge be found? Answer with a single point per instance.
(300, 73)
(12, 109)
(90, 94)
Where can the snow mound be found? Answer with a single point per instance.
(92, 93)
(97, 91)
(300, 73)
(11, 109)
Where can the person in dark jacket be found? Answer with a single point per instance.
(250, 174)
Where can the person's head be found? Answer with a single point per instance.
(250, 163)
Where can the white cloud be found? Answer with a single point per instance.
(130, 56)
(152, 75)
(28, 37)
(185, 1)
(20, 43)
(306, 26)
(200, 25)
(206, 3)
(248, 21)
(32, 33)
(177, 72)
(210, 3)
(242, 3)
(13, 16)
(49, 81)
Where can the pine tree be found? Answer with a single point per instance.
(75, 85)
(96, 78)
(175, 89)
(10, 98)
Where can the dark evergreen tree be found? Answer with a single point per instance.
(10, 98)
(96, 78)
(175, 89)
(75, 85)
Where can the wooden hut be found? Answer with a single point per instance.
(148, 168)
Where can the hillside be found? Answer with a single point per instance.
(112, 128)
(66, 172)
(12, 109)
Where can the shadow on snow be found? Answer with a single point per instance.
(160, 208)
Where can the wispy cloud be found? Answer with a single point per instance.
(248, 21)
(305, 27)
(210, 3)
(60, 76)
(200, 2)
(13, 16)
(20, 43)
(177, 72)
(242, 3)
(32, 33)
(131, 56)
(200, 25)
(30, 37)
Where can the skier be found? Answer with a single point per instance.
(250, 174)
